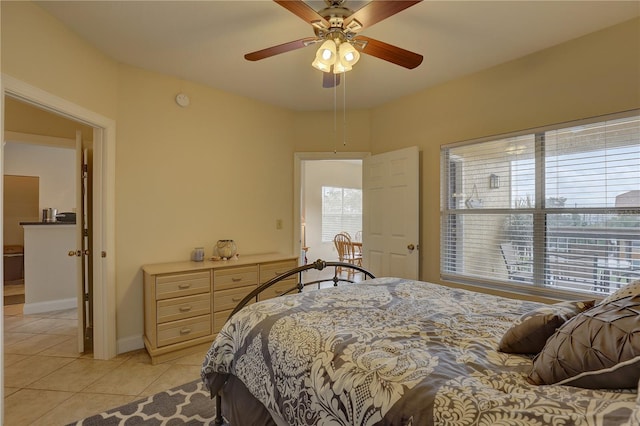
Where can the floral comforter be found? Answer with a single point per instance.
(396, 352)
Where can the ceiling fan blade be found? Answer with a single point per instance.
(330, 80)
(302, 10)
(281, 48)
(374, 12)
(390, 53)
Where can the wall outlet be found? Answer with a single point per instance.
(278, 223)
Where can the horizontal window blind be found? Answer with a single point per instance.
(341, 211)
(551, 209)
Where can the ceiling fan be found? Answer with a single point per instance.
(337, 27)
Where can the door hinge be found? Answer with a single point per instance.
(103, 254)
(86, 232)
(86, 297)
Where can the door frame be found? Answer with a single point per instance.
(104, 300)
(298, 158)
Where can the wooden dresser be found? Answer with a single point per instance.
(187, 303)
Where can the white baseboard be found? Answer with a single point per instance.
(129, 344)
(49, 306)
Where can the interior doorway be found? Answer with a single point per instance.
(103, 245)
(40, 145)
(331, 203)
(313, 172)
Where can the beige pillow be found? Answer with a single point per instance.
(630, 289)
(530, 332)
(598, 348)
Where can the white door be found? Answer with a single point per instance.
(391, 230)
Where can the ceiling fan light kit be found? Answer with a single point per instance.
(336, 27)
(326, 56)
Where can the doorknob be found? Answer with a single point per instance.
(411, 247)
(74, 253)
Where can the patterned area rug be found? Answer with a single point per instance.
(188, 404)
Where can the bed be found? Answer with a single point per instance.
(391, 351)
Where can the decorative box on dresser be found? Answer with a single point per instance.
(187, 303)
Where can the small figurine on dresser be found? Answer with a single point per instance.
(225, 249)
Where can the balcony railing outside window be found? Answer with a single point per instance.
(566, 208)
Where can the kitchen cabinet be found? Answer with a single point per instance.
(187, 303)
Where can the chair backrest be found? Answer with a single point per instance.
(510, 256)
(343, 245)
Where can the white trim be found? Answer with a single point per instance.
(49, 306)
(34, 139)
(104, 302)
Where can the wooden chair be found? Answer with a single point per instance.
(345, 250)
(517, 269)
(358, 238)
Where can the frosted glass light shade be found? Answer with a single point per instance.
(348, 55)
(325, 56)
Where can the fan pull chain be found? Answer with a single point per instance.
(335, 113)
(344, 109)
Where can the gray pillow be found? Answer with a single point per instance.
(530, 332)
(597, 349)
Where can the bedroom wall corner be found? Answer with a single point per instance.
(593, 75)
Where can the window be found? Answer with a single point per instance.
(341, 211)
(555, 210)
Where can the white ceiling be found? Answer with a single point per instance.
(204, 42)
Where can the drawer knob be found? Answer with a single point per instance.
(184, 286)
(185, 308)
(236, 299)
(279, 291)
(185, 331)
(236, 280)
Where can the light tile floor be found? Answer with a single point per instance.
(47, 382)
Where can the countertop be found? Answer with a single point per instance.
(47, 223)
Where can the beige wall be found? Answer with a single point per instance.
(21, 117)
(222, 168)
(186, 177)
(325, 131)
(38, 50)
(589, 76)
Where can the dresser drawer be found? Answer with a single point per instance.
(278, 289)
(224, 279)
(178, 285)
(273, 269)
(228, 299)
(183, 307)
(182, 330)
(219, 318)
